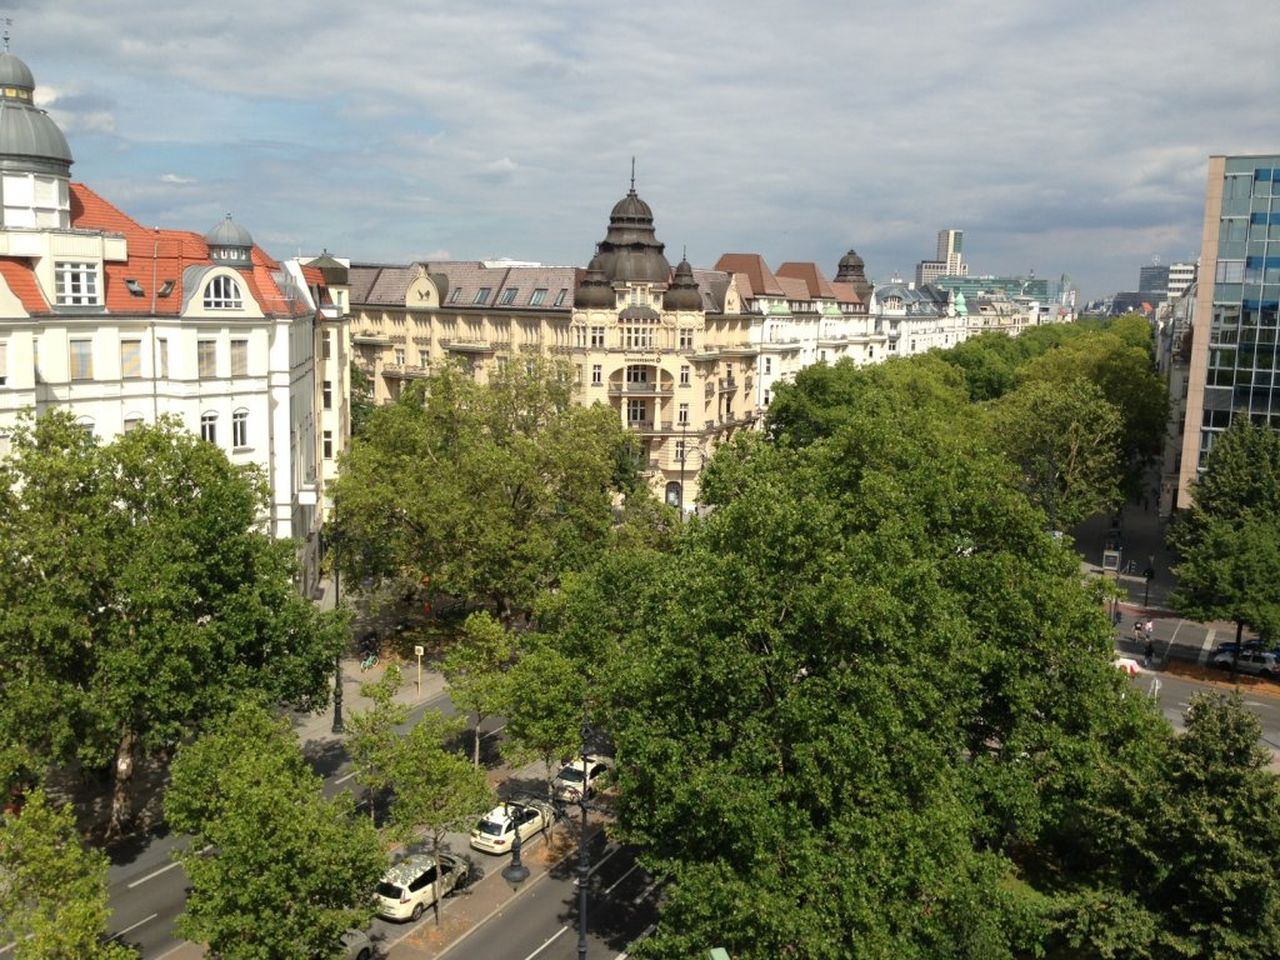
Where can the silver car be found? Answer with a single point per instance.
(1255, 662)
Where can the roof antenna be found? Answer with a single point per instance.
(633, 159)
(8, 22)
(684, 251)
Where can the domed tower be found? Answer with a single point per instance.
(230, 245)
(35, 161)
(852, 270)
(683, 293)
(630, 252)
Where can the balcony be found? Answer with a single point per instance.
(652, 426)
(640, 389)
(467, 346)
(728, 383)
(372, 338)
(405, 371)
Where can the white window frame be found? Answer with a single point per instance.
(223, 293)
(240, 365)
(209, 427)
(240, 429)
(77, 283)
(206, 346)
(80, 358)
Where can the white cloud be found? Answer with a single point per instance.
(1058, 136)
(176, 179)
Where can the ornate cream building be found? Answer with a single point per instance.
(686, 356)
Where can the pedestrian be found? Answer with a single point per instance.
(1137, 630)
(1149, 629)
(1148, 653)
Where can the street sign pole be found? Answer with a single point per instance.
(418, 652)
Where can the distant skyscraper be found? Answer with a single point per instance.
(1154, 280)
(1233, 364)
(951, 252)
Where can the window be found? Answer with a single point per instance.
(637, 411)
(768, 364)
(577, 374)
(4, 363)
(424, 359)
(536, 298)
(326, 345)
(597, 336)
(680, 451)
(130, 359)
(131, 424)
(636, 373)
(209, 427)
(509, 296)
(240, 429)
(326, 394)
(683, 416)
(637, 338)
(684, 375)
(561, 295)
(135, 288)
(399, 355)
(77, 284)
(686, 339)
(580, 336)
(482, 295)
(457, 292)
(223, 293)
(597, 375)
(328, 444)
(766, 398)
(81, 359)
(207, 358)
(162, 356)
(239, 358)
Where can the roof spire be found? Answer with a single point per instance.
(684, 251)
(8, 22)
(633, 159)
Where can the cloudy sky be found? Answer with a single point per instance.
(1061, 137)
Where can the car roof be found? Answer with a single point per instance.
(590, 758)
(409, 868)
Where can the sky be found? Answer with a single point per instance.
(1060, 137)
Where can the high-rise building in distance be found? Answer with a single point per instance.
(951, 252)
(1181, 276)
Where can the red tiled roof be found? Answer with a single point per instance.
(845, 293)
(752, 265)
(17, 273)
(314, 276)
(812, 276)
(794, 288)
(156, 257)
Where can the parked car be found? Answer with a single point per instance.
(409, 887)
(496, 830)
(1256, 662)
(580, 776)
(358, 945)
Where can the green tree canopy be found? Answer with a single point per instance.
(287, 870)
(475, 669)
(53, 891)
(139, 596)
(494, 490)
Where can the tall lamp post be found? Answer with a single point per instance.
(336, 539)
(515, 873)
(584, 865)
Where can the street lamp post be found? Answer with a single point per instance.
(515, 873)
(584, 864)
(684, 455)
(338, 726)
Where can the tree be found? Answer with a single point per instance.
(173, 606)
(53, 891)
(545, 696)
(475, 669)
(1064, 439)
(276, 870)
(494, 490)
(362, 403)
(435, 789)
(1229, 565)
(372, 740)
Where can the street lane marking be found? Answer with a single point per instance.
(643, 933)
(494, 732)
(1205, 647)
(603, 860)
(342, 780)
(151, 876)
(634, 868)
(172, 950)
(550, 940)
(121, 933)
(645, 892)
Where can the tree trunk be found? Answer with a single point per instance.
(475, 740)
(121, 787)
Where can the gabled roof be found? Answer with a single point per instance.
(381, 284)
(157, 257)
(794, 288)
(17, 273)
(462, 281)
(712, 286)
(816, 283)
(752, 266)
(845, 293)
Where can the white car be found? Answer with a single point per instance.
(496, 830)
(1256, 662)
(569, 782)
(357, 945)
(409, 887)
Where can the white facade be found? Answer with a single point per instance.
(916, 321)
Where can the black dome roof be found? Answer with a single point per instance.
(630, 251)
(683, 293)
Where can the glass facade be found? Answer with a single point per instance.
(1243, 377)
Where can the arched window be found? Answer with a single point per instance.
(209, 427)
(223, 293)
(673, 494)
(240, 428)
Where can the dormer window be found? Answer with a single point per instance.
(223, 293)
(77, 284)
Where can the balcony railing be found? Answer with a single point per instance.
(653, 426)
(467, 346)
(370, 337)
(407, 371)
(647, 389)
(728, 383)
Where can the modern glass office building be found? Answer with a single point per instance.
(1234, 367)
